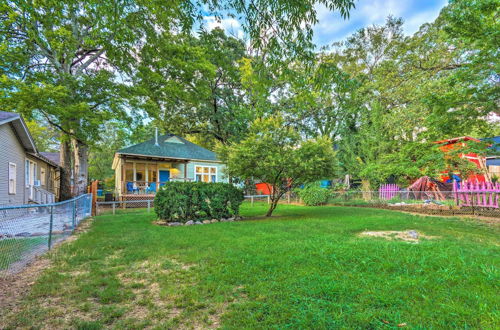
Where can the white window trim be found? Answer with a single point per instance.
(14, 190)
(210, 167)
(32, 171)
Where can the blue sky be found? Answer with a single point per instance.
(332, 27)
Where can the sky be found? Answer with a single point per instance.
(332, 27)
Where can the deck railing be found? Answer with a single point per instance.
(145, 187)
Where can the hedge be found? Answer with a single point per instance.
(184, 201)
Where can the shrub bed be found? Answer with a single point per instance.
(184, 201)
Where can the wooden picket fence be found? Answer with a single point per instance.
(484, 194)
(388, 191)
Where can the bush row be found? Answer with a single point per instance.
(184, 201)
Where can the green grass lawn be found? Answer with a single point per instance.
(304, 268)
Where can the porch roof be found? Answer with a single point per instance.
(169, 146)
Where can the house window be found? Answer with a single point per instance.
(43, 176)
(12, 178)
(206, 173)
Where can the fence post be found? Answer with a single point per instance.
(74, 215)
(114, 206)
(268, 199)
(50, 225)
(149, 206)
(251, 199)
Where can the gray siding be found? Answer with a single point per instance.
(221, 175)
(12, 151)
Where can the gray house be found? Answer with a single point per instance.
(142, 168)
(26, 175)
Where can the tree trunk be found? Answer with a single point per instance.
(366, 186)
(271, 208)
(65, 162)
(81, 168)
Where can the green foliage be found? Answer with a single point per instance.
(204, 75)
(278, 155)
(184, 201)
(313, 194)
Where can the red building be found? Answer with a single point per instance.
(461, 142)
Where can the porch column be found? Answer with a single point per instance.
(157, 176)
(146, 169)
(185, 171)
(134, 171)
(123, 178)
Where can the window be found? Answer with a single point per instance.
(12, 178)
(206, 173)
(43, 176)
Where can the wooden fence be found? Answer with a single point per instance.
(388, 191)
(485, 194)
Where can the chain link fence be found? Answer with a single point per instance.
(27, 231)
(471, 203)
(125, 206)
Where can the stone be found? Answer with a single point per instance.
(198, 223)
(173, 224)
(189, 223)
(57, 232)
(206, 221)
(413, 234)
(231, 219)
(214, 220)
(23, 234)
(38, 234)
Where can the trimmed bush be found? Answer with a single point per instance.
(184, 201)
(313, 195)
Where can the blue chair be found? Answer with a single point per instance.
(152, 187)
(130, 187)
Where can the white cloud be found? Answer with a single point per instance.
(332, 27)
(230, 25)
(413, 23)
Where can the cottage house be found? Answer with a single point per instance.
(26, 175)
(142, 168)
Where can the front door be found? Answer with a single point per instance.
(164, 176)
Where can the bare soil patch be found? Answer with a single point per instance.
(411, 236)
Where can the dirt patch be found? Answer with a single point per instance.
(411, 236)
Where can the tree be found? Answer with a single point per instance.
(45, 136)
(276, 154)
(69, 61)
(60, 61)
(192, 86)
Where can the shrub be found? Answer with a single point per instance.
(184, 201)
(313, 195)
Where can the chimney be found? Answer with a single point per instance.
(156, 137)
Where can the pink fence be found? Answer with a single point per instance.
(485, 194)
(388, 191)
